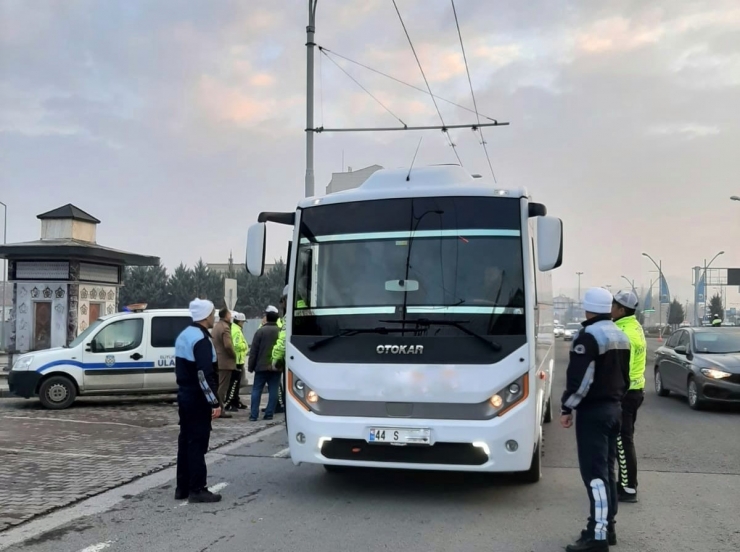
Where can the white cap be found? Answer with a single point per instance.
(270, 308)
(627, 299)
(200, 309)
(598, 301)
(285, 291)
(239, 317)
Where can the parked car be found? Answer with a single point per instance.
(571, 331)
(559, 331)
(702, 364)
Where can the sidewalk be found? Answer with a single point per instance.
(52, 458)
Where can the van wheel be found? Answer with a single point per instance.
(534, 473)
(57, 393)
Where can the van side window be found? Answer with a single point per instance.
(165, 329)
(124, 335)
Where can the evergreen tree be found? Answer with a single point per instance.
(716, 307)
(676, 314)
(181, 286)
(145, 284)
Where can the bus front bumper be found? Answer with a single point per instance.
(503, 444)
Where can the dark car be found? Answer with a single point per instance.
(702, 364)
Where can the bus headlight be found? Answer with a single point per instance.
(509, 396)
(308, 398)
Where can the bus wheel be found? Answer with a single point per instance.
(57, 393)
(335, 469)
(548, 411)
(534, 473)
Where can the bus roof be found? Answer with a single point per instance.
(434, 181)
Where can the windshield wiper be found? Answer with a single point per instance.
(421, 322)
(354, 331)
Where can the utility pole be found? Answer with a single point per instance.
(5, 277)
(310, 47)
(579, 274)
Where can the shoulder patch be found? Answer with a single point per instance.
(579, 349)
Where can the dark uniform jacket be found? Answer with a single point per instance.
(195, 359)
(260, 353)
(599, 367)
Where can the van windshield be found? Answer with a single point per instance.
(84, 335)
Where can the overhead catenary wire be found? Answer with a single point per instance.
(366, 91)
(429, 88)
(472, 93)
(327, 52)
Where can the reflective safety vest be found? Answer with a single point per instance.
(240, 344)
(716, 322)
(638, 350)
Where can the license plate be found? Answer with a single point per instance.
(399, 436)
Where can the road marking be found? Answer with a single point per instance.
(285, 453)
(105, 501)
(97, 547)
(43, 419)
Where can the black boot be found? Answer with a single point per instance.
(611, 536)
(630, 498)
(588, 544)
(181, 494)
(204, 496)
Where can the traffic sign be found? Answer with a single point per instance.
(230, 293)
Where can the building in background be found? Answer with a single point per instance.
(351, 179)
(62, 282)
(232, 267)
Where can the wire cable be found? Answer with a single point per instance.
(327, 51)
(472, 93)
(366, 90)
(429, 88)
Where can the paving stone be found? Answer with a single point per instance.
(51, 459)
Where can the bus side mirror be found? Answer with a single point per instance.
(256, 240)
(549, 243)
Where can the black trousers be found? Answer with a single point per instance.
(192, 445)
(626, 442)
(597, 429)
(232, 398)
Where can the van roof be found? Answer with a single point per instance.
(178, 312)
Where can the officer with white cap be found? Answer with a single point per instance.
(597, 379)
(195, 359)
(624, 308)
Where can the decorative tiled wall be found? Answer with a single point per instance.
(90, 293)
(28, 293)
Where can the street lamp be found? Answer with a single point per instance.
(579, 274)
(661, 281)
(631, 283)
(735, 198)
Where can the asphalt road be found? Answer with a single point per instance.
(689, 485)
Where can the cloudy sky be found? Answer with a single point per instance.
(176, 121)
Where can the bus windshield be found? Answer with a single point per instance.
(454, 259)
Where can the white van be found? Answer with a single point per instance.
(126, 353)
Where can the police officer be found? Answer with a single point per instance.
(597, 379)
(623, 314)
(716, 321)
(195, 359)
(278, 355)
